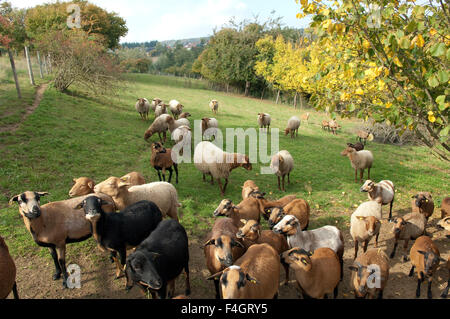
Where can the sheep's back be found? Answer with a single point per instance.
(163, 194)
(7, 270)
(294, 123)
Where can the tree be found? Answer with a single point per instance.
(400, 51)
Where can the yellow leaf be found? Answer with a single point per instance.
(433, 31)
(388, 105)
(419, 41)
(359, 91)
(431, 118)
(397, 62)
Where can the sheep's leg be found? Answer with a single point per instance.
(361, 175)
(204, 177)
(395, 248)
(429, 293)
(289, 178)
(212, 180)
(368, 173)
(171, 289)
(220, 186)
(284, 189)
(356, 249)
(419, 282)
(366, 243)
(188, 282)
(390, 209)
(57, 274)
(175, 166)
(286, 270)
(120, 264)
(376, 240)
(15, 293)
(405, 252)
(279, 187)
(170, 173)
(411, 272)
(61, 252)
(216, 285)
(445, 292)
(159, 175)
(225, 185)
(380, 294)
(356, 175)
(336, 291)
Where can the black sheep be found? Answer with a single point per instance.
(118, 232)
(159, 260)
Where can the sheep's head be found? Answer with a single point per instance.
(445, 224)
(251, 230)
(287, 226)
(373, 224)
(148, 134)
(142, 101)
(225, 208)
(297, 258)
(232, 281)
(358, 146)
(245, 163)
(275, 215)
(399, 225)
(185, 115)
(360, 278)
(430, 261)
(422, 199)
(348, 151)
(112, 186)
(82, 186)
(29, 204)
(287, 131)
(368, 186)
(140, 270)
(157, 147)
(255, 193)
(223, 249)
(92, 206)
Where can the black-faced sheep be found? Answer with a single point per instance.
(209, 159)
(383, 191)
(161, 159)
(159, 260)
(143, 107)
(7, 272)
(281, 165)
(359, 161)
(118, 232)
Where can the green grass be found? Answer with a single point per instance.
(73, 135)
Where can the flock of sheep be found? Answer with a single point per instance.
(244, 260)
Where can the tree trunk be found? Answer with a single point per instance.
(295, 100)
(228, 87)
(278, 97)
(301, 101)
(262, 94)
(13, 67)
(49, 62)
(30, 69)
(41, 74)
(247, 88)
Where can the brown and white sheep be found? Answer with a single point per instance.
(7, 272)
(317, 274)
(360, 161)
(214, 106)
(184, 115)
(281, 165)
(384, 190)
(176, 108)
(264, 120)
(155, 103)
(159, 126)
(292, 126)
(160, 110)
(298, 208)
(253, 276)
(370, 274)
(143, 107)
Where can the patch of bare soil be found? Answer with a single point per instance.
(34, 275)
(28, 111)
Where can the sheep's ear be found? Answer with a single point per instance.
(14, 199)
(91, 185)
(422, 252)
(237, 244)
(209, 242)
(74, 180)
(251, 279)
(215, 276)
(122, 184)
(42, 193)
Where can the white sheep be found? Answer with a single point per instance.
(359, 161)
(173, 124)
(163, 194)
(384, 190)
(264, 120)
(214, 106)
(282, 164)
(143, 106)
(160, 109)
(327, 236)
(365, 223)
(182, 137)
(209, 159)
(155, 103)
(293, 126)
(209, 127)
(159, 126)
(176, 108)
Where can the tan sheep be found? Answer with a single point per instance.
(370, 274)
(249, 209)
(317, 274)
(82, 186)
(298, 208)
(406, 228)
(159, 126)
(214, 106)
(292, 126)
(360, 161)
(133, 178)
(281, 165)
(248, 188)
(7, 272)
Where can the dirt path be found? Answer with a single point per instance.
(28, 111)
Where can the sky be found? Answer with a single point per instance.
(180, 19)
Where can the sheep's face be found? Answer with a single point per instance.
(422, 199)
(445, 224)
(251, 230)
(276, 214)
(255, 193)
(430, 262)
(287, 131)
(348, 151)
(233, 281)
(29, 204)
(359, 279)
(399, 225)
(140, 270)
(373, 224)
(297, 258)
(141, 102)
(223, 249)
(110, 187)
(185, 115)
(225, 208)
(157, 147)
(368, 186)
(246, 163)
(83, 186)
(148, 134)
(92, 206)
(287, 226)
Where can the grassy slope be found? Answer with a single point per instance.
(72, 136)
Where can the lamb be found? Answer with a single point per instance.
(7, 272)
(310, 240)
(159, 126)
(298, 208)
(305, 117)
(118, 232)
(425, 257)
(162, 160)
(281, 165)
(359, 161)
(317, 274)
(249, 209)
(143, 107)
(253, 276)
(214, 106)
(82, 186)
(248, 188)
(209, 159)
(163, 194)
(155, 103)
(184, 115)
(159, 260)
(176, 108)
(406, 228)
(357, 146)
(445, 207)
(423, 203)
(56, 224)
(264, 120)
(209, 127)
(293, 126)
(251, 234)
(365, 223)
(174, 124)
(222, 247)
(384, 190)
(373, 260)
(160, 110)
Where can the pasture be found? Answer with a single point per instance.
(72, 135)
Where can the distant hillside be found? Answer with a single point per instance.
(150, 45)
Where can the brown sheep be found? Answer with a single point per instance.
(251, 234)
(445, 224)
(333, 125)
(7, 272)
(325, 125)
(363, 228)
(445, 292)
(357, 146)
(222, 248)
(248, 188)
(249, 209)
(445, 207)
(253, 276)
(82, 186)
(423, 203)
(56, 224)
(425, 257)
(317, 274)
(161, 160)
(298, 208)
(184, 115)
(134, 178)
(406, 228)
(267, 205)
(363, 271)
